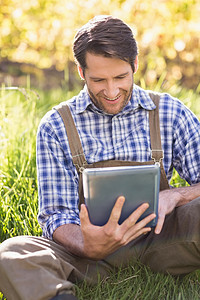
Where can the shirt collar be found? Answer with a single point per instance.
(139, 98)
(83, 100)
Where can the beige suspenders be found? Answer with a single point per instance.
(78, 156)
(157, 153)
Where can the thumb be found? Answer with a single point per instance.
(160, 223)
(84, 217)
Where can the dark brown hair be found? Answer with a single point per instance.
(107, 36)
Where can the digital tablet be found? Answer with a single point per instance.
(138, 184)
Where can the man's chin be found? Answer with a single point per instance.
(111, 107)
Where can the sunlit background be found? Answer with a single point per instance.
(37, 71)
(36, 38)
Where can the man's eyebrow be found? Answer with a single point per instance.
(120, 75)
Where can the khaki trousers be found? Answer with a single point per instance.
(35, 268)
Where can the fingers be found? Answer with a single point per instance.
(160, 223)
(138, 229)
(116, 211)
(133, 228)
(146, 221)
(132, 219)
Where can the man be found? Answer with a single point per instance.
(111, 115)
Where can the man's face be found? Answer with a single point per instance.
(109, 82)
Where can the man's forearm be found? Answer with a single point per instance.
(188, 193)
(70, 237)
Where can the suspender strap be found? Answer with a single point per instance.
(78, 155)
(154, 125)
(157, 153)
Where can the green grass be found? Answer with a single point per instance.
(140, 283)
(20, 113)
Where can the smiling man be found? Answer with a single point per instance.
(109, 81)
(108, 123)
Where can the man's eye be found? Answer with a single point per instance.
(120, 77)
(98, 80)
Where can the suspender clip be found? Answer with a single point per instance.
(79, 168)
(157, 156)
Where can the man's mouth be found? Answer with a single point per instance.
(112, 99)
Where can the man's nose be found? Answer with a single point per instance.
(111, 90)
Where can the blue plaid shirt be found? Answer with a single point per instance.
(124, 136)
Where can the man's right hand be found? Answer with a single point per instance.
(100, 241)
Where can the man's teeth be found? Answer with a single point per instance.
(112, 98)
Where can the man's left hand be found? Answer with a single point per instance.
(168, 200)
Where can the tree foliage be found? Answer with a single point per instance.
(41, 32)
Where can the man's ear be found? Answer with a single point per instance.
(80, 71)
(136, 63)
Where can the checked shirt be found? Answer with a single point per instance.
(124, 136)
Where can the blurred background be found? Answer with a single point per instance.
(37, 71)
(36, 40)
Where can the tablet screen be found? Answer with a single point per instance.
(138, 184)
